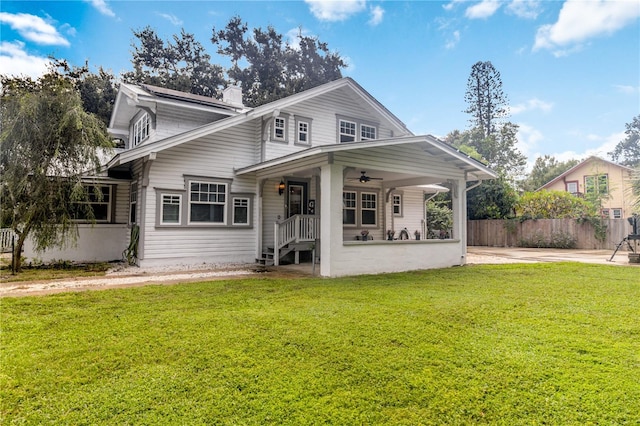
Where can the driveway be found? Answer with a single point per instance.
(478, 255)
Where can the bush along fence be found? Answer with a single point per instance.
(548, 233)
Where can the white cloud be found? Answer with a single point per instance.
(453, 41)
(527, 9)
(607, 144)
(292, 36)
(15, 61)
(580, 20)
(33, 28)
(528, 138)
(171, 18)
(627, 90)
(377, 13)
(452, 4)
(102, 7)
(482, 10)
(531, 104)
(333, 10)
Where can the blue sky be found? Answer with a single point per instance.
(571, 69)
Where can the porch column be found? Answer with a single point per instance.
(459, 202)
(331, 184)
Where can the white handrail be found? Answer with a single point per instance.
(296, 228)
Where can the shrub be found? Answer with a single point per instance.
(560, 240)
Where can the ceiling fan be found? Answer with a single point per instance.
(364, 178)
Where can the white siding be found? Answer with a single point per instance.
(214, 156)
(412, 212)
(323, 111)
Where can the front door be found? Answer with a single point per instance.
(297, 198)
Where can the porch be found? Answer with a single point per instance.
(342, 192)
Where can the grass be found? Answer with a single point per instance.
(55, 270)
(499, 344)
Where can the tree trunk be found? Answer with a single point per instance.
(16, 261)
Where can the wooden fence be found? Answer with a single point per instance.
(510, 233)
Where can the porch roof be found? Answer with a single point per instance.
(474, 170)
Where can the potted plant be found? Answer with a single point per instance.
(365, 234)
(417, 234)
(390, 234)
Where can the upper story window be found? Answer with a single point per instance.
(572, 187)
(141, 129)
(367, 132)
(596, 184)
(280, 128)
(617, 213)
(347, 131)
(353, 130)
(303, 131)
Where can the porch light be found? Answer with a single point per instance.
(281, 187)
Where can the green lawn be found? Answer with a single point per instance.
(503, 344)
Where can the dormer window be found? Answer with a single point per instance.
(347, 131)
(141, 129)
(303, 131)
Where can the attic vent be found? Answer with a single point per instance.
(232, 95)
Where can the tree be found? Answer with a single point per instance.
(545, 169)
(554, 205)
(182, 64)
(274, 68)
(48, 142)
(487, 102)
(494, 199)
(97, 91)
(627, 151)
(635, 188)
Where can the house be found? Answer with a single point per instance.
(326, 173)
(595, 176)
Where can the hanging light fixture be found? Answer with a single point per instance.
(281, 187)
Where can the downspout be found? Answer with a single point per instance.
(473, 186)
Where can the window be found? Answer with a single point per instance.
(348, 208)
(596, 184)
(617, 213)
(133, 203)
(367, 132)
(240, 211)
(303, 132)
(368, 208)
(141, 129)
(572, 187)
(279, 128)
(207, 202)
(170, 214)
(605, 213)
(397, 205)
(99, 202)
(347, 131)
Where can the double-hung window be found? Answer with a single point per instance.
(279, 129)
(349, 208)
(303, 133)
(367, 132)
(347, 131)
(171, 206)
(617, 213)
(397, 205)
(141, 129)
(368, 208)
(98, 203)
(207, 202)
(355, 130)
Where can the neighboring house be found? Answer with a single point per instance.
(595, 176)
(211, 181)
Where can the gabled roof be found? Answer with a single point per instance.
(580, 165)
(130, 97)
(261, 111)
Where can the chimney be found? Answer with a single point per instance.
(232, 95)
